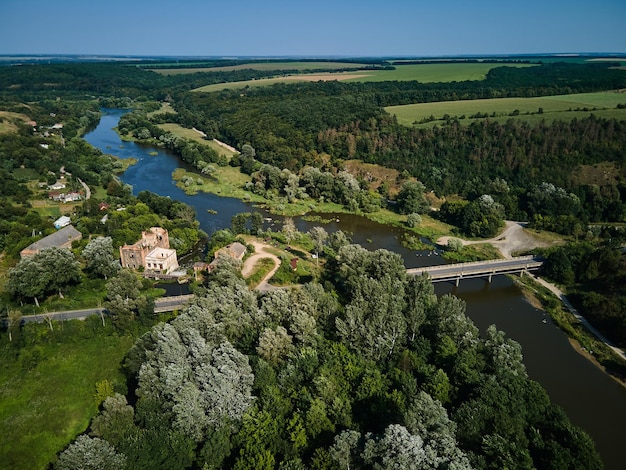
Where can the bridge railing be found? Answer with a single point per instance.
(470, 264)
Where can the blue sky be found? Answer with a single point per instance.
(311, 28)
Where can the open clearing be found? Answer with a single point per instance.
(165, 108)
(561, 107)
(190, 134)
(425, 73)
(6, 126)
(47, 395)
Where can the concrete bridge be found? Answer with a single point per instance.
(488, 269)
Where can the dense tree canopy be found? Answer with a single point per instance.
(396, 379)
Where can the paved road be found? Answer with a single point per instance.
(165, 304)
(169, 304)
(64, 315)
(87, 190)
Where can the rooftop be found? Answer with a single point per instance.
(59, 238)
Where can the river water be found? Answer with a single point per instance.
(591, 399)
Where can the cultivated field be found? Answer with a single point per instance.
(300, 66)
(549, 108)
(283, 79)
(434, 73)
(425, 73)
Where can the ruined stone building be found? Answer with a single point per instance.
(152, 252)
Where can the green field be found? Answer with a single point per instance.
(300, 66)
(434, 73)
(425, 73)
(47, 393)
(561, 107)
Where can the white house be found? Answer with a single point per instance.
(161, 259)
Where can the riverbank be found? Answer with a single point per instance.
(542, 294)
(582, 336)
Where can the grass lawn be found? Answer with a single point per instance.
(430, 227)
(47, 392)
(561, 107)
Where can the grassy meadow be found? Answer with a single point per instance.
(165, 108)
(6, 118)
(425, 73)
(561, 107)
(190, 134)
(48, 392)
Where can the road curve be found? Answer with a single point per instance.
(513, 239)
(248, 265)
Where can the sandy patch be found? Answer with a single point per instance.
(513, 239)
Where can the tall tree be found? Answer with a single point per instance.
(411, 198)
(99, 257)
(319, 236)
(49, 270)
(124, 299)
(92, 453)
(289, 230)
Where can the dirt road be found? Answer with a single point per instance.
(513, 239)
(248, 266)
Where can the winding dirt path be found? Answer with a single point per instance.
(260, 253)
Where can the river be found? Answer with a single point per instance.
(592, 400)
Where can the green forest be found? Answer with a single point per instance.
(361, 366)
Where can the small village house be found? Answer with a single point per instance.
(235, 250)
